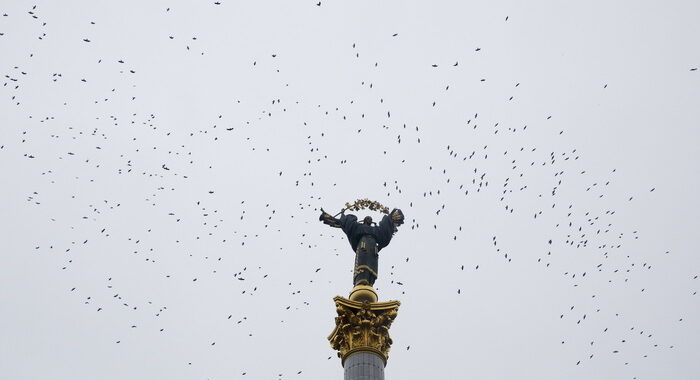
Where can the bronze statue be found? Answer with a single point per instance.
(366, 238)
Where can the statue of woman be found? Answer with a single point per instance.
(366, 239)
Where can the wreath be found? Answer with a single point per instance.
(362, 204)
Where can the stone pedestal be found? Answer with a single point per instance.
(361, 334)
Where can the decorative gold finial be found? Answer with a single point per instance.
(363, 293)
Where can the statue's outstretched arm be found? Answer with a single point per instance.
(396, 216)
(328, 219)
(387, 226)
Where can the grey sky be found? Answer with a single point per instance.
(211, 159)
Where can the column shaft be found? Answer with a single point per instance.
(364, 366)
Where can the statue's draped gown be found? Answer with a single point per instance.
(366, 240)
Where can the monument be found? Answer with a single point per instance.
(361, 334)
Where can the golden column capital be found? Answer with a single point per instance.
(363, 326)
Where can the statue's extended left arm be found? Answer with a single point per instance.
(388, 226)
(396, 217)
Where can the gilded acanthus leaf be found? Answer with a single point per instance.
(363, 326)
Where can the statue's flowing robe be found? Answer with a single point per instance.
(367, 240)
(355, 230)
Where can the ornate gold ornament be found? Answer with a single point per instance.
(362, 326)
(363, 293)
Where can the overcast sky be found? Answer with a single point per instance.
(163, 165)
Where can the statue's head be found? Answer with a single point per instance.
(367, 220)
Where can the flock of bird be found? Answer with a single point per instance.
(229, 199)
